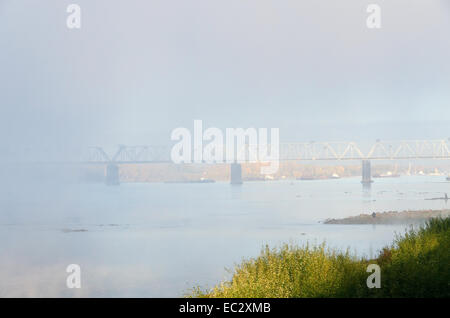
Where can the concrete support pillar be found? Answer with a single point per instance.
(112, 174)
(366, 173)
(235, 173)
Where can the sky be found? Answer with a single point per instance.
(136, 70)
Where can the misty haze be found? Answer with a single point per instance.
(103, 164)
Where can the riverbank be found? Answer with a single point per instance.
(415, 265)
(391, 217)
(288, 170)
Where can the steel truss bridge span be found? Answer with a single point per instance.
(306, 151)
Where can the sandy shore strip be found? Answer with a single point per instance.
(391, 217)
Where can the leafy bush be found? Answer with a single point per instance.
(416, 265)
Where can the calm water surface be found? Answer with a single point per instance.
(159, 240)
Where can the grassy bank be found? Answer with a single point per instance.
(415, 265)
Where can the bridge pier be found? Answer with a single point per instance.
(235, 173)
(112, 174)
(366, 173)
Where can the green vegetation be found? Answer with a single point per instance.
(416, 265)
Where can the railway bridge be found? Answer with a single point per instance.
(365, 152)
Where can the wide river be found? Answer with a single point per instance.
(160, 240)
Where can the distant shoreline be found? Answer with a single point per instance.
(391, 217)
